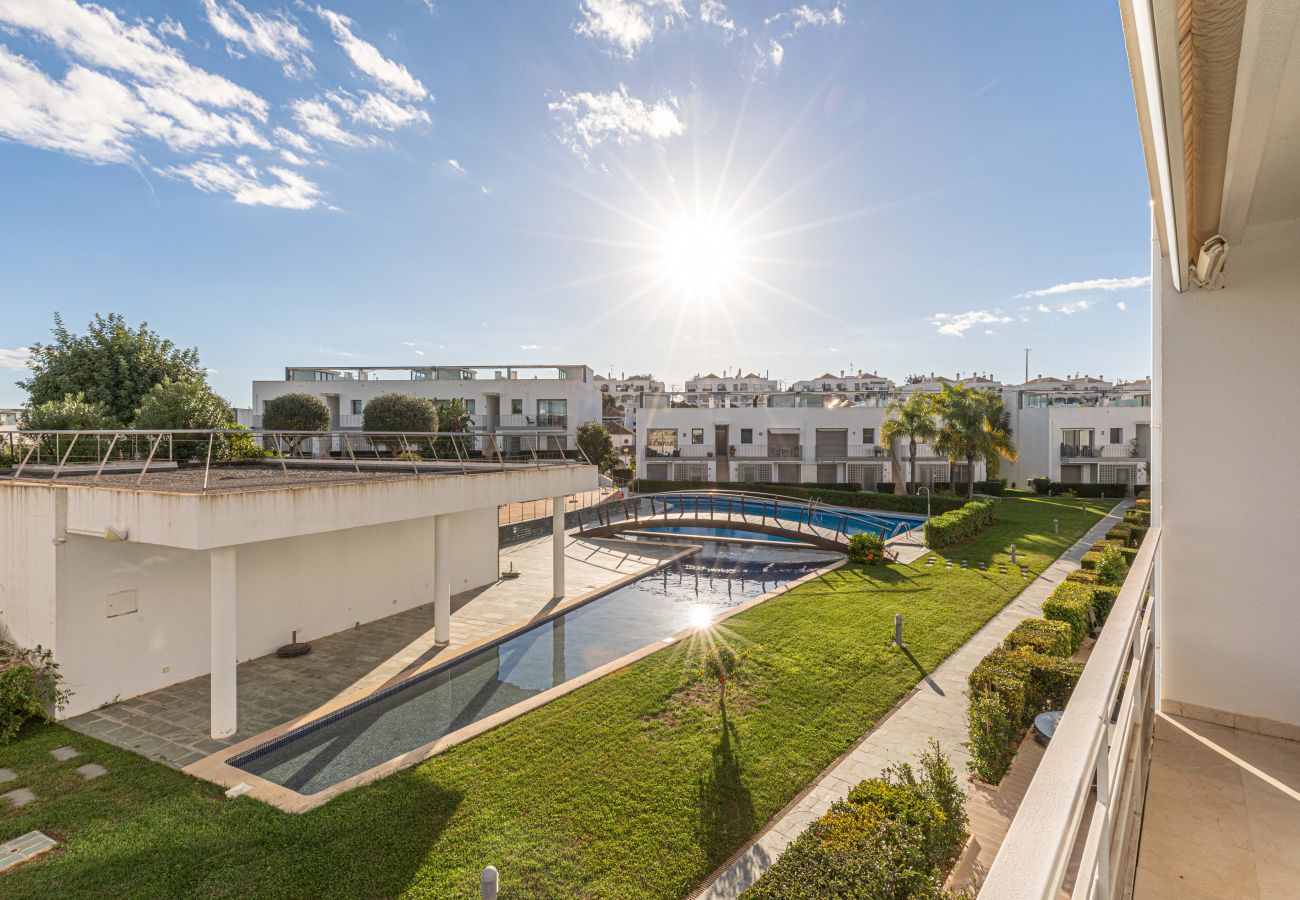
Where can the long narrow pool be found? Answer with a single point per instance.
(415, 712)
(852, 521)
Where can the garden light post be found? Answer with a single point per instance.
(898, 630)
(487, 883)
(1013, 554)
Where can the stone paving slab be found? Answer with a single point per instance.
(7, 775)
(63, 754)
(936, 707)
(20, 797)
(23, 848)
(171, 725)
(91, 771)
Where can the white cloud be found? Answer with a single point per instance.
(169, 27)
(380, 112)
(245, 185)
(714, 12)
(1094, 284)
(96, 36)
(317, 118)
(1121, 306)
(15, 358)
(393, 77)
(957, 324)
(1069, 309)
(776, 53)
(530, 346)
(455, 166)
(805, 16)
(588, 119)
(627, 24)
(293, 159)
(295, 140)
(276, 37)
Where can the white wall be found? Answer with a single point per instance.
(317, 584)
(31, 518)
(1230, 596)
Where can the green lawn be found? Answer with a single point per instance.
(634, 786)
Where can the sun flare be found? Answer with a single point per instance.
(701, 617)
(699, 255)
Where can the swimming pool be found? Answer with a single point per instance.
(422, 709)
(886, 525)
(734, 533)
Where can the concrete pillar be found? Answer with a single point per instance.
(557, 543)
(223, 604)
(441, 580)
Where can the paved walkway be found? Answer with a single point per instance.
(171, 725)
(936, 708)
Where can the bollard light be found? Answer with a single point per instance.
(1056, 526)
(898, 629)
(488, 883)
(1013, 554)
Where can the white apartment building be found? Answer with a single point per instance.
(501, 398)
(1080, 430)
(1173, 770)
(736, 390)
(9, 419)
(789, 440)
(860, 386)
(626, 389)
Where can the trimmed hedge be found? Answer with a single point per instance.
(1009, 688)
(1082, 577)
(1040, 635)
(951, 527)
(1070, 603)
(895, 836)
(1103, 599)
(904, 503)
(1092, 491)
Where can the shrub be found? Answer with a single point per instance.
(185, 405)
(399, 413)
(1041, 484)
(1061, 488)
(240, 446)
(1130, 555)
(30, 688)
(1112, 568)
(1021, 683)
(950, 527)
(597, 446)
(1121, 532)
(73, 413)
(867, 548)
(993, 487)
(1082, 576)
(296, 412)
(1138, 517)
(893, 837)
(1070, 603)
(1046, 636)
(1103, 599)
(1088, 562)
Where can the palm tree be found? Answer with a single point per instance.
(912, 419)
(975, 425)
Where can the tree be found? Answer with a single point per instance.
(186, 405)
(111, 364)
(296, 412)
(913, 419)
(914, 379)
(71, 413)
(975, 426)
(401, 413)
(453, 417)
(609, 407)
(597, 445)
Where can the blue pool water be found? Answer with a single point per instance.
(721, 533)
(424, 708)
(855, 520)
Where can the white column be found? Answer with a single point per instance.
(441, 580)
(557, 545)
(223, 602)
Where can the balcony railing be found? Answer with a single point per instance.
(852, 451)
(652, 452)
(765, 451)
(1097, 762)
(1101, 451)
(520, 420)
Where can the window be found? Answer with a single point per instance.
(868, 435)
(516, 407)
(697, 435)
(552, 412)
(357, 406)
(661, 442)
(747, 435)
(1117, 435)
(470, 406)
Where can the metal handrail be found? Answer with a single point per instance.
(1093, 740)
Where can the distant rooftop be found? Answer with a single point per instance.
(565, 371)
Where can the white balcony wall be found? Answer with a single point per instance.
(1231, 616)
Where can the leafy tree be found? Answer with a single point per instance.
(609, 406)
(913, 419)
(400, 412)
(595, 442)
(973, 428)
(914, 379)
(71, 413)
(111, 364)
(296, 412)
(454, 417)
(186, 405)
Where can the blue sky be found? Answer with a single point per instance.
(666, 185)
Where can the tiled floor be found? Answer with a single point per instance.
(171, 725)
(1222, 816)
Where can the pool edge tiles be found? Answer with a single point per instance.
(216, 768)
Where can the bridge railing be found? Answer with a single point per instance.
(751, 507)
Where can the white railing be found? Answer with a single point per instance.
(1096, 763)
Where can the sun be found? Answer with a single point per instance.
(699, 255)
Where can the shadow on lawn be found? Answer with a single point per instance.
(726, 807)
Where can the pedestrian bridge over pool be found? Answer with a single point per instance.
(808, 522)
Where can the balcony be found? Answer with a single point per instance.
(1130, 450)
(853, 452)
(765, 451)
(554, 421)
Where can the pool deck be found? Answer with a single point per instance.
(171, 724)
